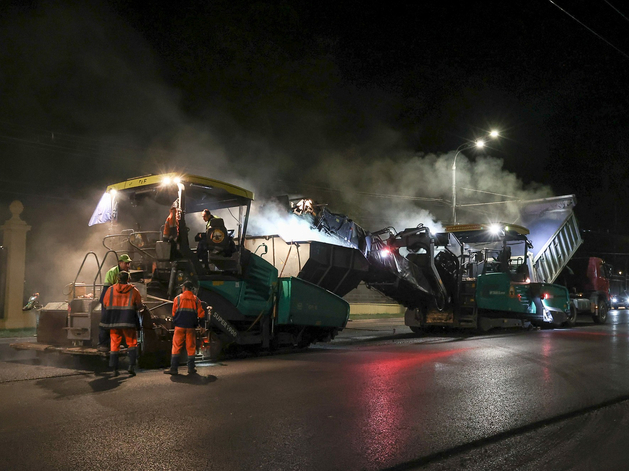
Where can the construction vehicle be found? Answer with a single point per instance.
(588, 280)
(250, 305)
(488, 280)
(330, 254)
(470, 276)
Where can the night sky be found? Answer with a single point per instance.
(328, 99)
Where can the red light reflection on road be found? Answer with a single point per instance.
(406, 361)
(383, 389)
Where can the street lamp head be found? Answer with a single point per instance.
(479, 143)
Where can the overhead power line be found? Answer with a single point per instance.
(45, 137)
(616, 10)
(489, 193)
(591, 30)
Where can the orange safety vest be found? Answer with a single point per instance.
(187, 309)
(171, 227)
(121, 303)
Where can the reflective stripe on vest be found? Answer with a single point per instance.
(194, 309)
(111, 306)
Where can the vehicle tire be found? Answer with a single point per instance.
(415, 329)
(539, 306)
(601, 317)
(305, 341)
(216, 347)
(572, 317)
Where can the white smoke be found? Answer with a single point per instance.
(271, 218)
(410, 189)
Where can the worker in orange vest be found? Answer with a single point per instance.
(187, 310)
(121, 303)
(171, 226)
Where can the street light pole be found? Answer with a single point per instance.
(479, 143)
(458, 151)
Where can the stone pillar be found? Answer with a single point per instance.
(14, 241)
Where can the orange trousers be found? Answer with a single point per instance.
(130, 335)
(189, 337)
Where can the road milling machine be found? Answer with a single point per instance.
(476, 276)
(250, 305)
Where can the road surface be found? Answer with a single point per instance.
(378, 397)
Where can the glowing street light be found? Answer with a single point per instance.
(478, 144)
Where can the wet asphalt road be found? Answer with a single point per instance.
(378, 397)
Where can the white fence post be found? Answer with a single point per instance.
(14, 241)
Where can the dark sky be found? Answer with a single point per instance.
(299, 96)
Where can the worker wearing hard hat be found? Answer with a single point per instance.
(121, 303)
(187, 310)
(111, 278)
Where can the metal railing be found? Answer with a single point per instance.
(131, 238)
(78, 273)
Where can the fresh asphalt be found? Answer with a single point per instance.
(377, 397)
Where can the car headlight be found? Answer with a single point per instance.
(614, 299)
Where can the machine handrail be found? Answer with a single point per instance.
(128, 239)
(81, 268)
(144, 251)
(100, 270)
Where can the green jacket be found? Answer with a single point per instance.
(111, 278)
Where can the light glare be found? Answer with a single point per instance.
(480, 143)
(494, 229)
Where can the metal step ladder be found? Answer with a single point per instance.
(83, 320)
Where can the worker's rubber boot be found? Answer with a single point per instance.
(113, 362)
(133, 356)
(174, 366)
(103, 340)
(191, 369)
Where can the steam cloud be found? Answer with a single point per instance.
(109, 90)
(270, 218)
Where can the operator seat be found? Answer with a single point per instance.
(218, 239)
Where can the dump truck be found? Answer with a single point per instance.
(588, 280)
(250, 305)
